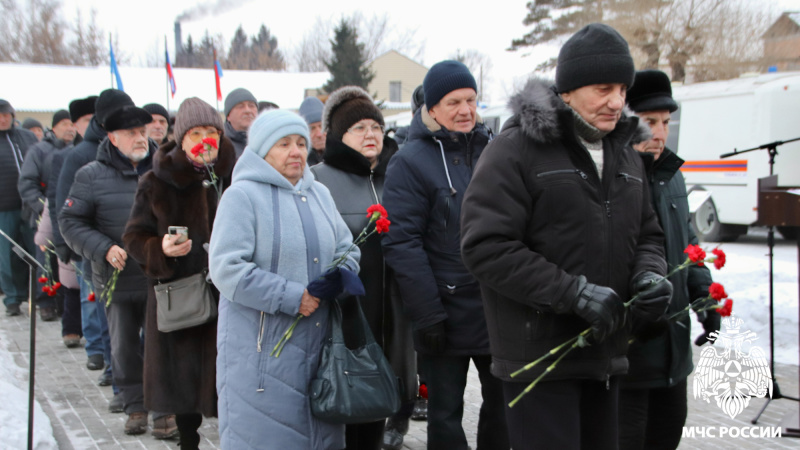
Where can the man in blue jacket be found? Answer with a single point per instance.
(425, 184)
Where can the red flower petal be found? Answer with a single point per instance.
(91, 297)
(727, 308)
(377, 208)
(57, 285)
(210, 141)
(45, 289)
(717, 291)
(696, 254)
(382, 225)
(719, 261)
(198, 149)
(43, 280)
(423, 391)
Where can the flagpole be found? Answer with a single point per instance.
(110, 72)
(166, 63)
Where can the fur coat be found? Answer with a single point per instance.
(179, 367)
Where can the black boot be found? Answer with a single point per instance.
(393, 433)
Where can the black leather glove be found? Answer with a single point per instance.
(434, 337)
(653, 299)
(600, 306)
(711, 324)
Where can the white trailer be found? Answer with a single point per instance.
(717, 117)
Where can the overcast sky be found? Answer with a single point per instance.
(444, 26)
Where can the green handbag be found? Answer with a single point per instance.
(353, 386)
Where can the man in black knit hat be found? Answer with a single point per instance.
(558, 228)
(157, 129)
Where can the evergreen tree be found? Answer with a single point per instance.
(348, 63)
(266, 55)
(239, 51)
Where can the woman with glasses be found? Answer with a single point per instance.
(179, 366)
(357, 152)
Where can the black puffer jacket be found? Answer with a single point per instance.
(666, 359)
(35, 175)
(354, 187)
(537, 216)
(238, 138)
(74, 159)
(425, 184)
(14, 144)
(95, 213)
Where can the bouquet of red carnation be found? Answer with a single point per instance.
(202, 150)
(377, 214)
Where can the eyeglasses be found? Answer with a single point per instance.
(361, 130)
(197, 136)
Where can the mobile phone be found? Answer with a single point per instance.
(182, 232)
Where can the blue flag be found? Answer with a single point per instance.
(114, 69)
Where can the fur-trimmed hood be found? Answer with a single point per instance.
(541, 114)
(171, 165)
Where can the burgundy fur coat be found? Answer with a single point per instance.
(179, 367)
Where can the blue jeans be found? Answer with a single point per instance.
(13, 271)
(90, 320)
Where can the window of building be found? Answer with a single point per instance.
(395, 91)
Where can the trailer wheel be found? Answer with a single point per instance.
(705, 222)
(789, 233)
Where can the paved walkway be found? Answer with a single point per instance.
(78, 408)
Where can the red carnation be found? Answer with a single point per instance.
(198, 149)
(727, 308)
(719, 261)
(717, 292)
(376, 209)
(696, 254)
(43, 279)
(382, 225)
(423, 391)
(91, 297)
(51, 292)
(210, 141)
(45, 289)
(57, 285)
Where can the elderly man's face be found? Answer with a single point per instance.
(83, 123)
(132, 142)
(456, 110)
(242, 115)
(600, 105)
(158, 127)
(65, 130)
(659, 126)
(6, 119)
(317, 136)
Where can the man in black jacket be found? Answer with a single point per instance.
(92, 221)
(241, 109)
(558, 228)
(652, 408)
(14, 143)
(424, 187)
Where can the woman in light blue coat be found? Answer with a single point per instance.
(276, 230)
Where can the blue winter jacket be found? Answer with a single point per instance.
(270, 239)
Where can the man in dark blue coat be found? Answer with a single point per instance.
(425, 184)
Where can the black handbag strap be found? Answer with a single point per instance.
(336, 320)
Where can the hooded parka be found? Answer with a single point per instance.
(537, 216)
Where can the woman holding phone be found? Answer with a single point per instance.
(179, 195)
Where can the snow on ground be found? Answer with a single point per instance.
(14, 407)
(746, 280)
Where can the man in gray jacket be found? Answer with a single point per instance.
(241, 109)
(14, 143)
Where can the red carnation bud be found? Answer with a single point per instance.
(696, 254)
(423, 391)
(51, 292)
(198, 149)
(210, 141)
(382, 225)
(719, 261)
(727, 308)
(45, 289)
(57, 285)
(376, 209)
(91, 297)
(43, 280)
(717, 291)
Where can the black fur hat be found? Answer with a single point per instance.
(346, 106)
(81, 107)
(126, 118)
(651, 91)
(109, 101)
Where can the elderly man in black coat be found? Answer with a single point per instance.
(92, 221)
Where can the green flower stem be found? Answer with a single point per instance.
(553, 351)
(549, 369)
(276, 351)
(112, 284)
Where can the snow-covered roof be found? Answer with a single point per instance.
(37, 87)
(736, 86)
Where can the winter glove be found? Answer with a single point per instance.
(600, 306)
(335, 281)
(711, 324)
(434, 338)
(653, 297)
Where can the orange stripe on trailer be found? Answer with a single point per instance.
(719, 165)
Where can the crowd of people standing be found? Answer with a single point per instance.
(503, 244)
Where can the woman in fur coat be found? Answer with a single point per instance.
(179, 366)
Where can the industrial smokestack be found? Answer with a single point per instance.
(178, 45)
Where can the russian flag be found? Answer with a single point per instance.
(169, 70)
(217, 75)
(114, 69)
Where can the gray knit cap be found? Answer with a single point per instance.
(238, 96)
(194, 112)
(5, 107)
(311, 110)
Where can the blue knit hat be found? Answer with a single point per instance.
(311, 110)
(445, 77)
(272, 126)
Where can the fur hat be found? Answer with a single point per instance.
(155, 108)
(237, 96)
(651, 91)
(346, 106)
(109, 101)
(194, 112)
(60, 115)
(127, 117)
(596, 54)
(6, 108)
(30, 122)
(271, 126)
(445, 77)
(311, 110)
(81, 107)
